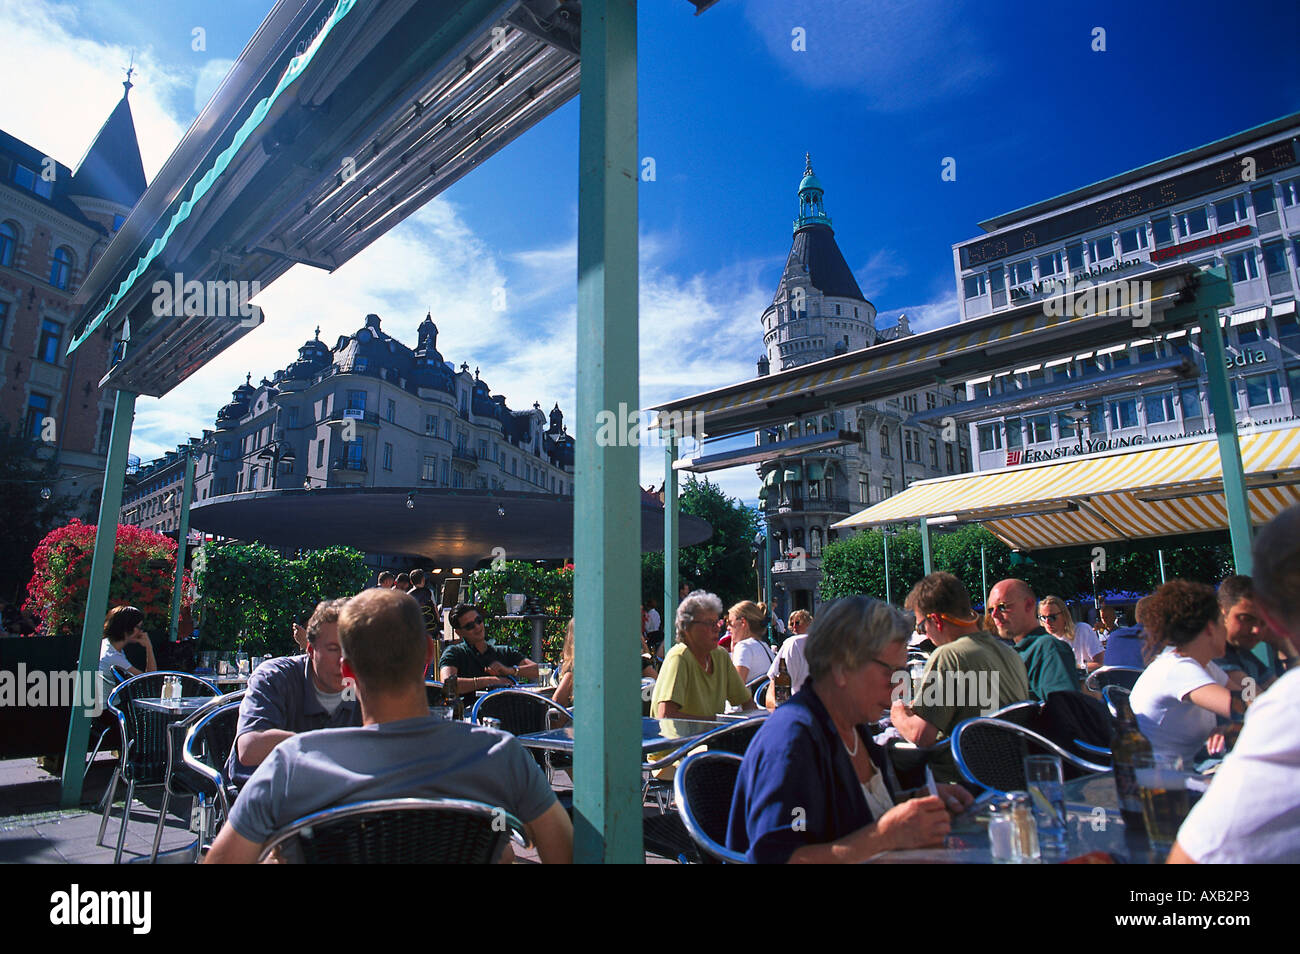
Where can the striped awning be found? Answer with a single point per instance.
(1147, 491)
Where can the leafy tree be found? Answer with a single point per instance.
(25, 515)
(553, 590)
(723, 564)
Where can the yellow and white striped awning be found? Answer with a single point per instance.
(1146, 491)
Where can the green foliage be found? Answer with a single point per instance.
(724, 564)
(553, 590)
(252, 595)
(1139, 571)
(25, 517)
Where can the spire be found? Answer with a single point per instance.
(812, 211)
(111, 168)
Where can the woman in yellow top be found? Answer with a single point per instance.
(697, 678)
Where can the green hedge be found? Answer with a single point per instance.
(553, 589)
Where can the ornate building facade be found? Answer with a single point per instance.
(54, 224)
(819, 311)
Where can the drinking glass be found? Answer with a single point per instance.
(1162, 780)
(1046, 786)
(241, 663)
(441, 713)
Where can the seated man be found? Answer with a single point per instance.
(1245, 629)
(294, 694)
(971, 673)
(792, 651)
(476, 663)
(1251, 812)
(1049, 661)
(399, 751)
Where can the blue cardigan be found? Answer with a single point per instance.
(797, 785)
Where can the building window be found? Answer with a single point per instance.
(457, 479)
(886, 486)
(38, 409)
(974, 285)
(1189, 399)
(1065, 425)
(1159, 407)
(1274, 258)
(392, 411)
(446, 430)
(1074, 256)
(1050, 264)
(4, 321)
(947, 453)
(1123, 414)
(356, 400)
(1230, 211)
(1293, 383)
(1262, 198)
(360, 363)
(1262, 389)
(1162, 230)
(514, 467)
(1015, 437)
(997, 280)
(864, 486)
(1242, 267)
(355, 453)
(934, 453)
(1101, 248)
(1193, 221)
(1249, 333)
(444, 467)
(430, 424)
(388, 456)
(320, 454)
(931, 400)
(293, 417)
(1021, 273)
(911, 445)
(225, 452)
(61, 267)
(1130, 240)
(1040, 428)
(51, 340)
(1290, 192)
(990, 437)
(252, 479)
(884, 443)
(8, 243)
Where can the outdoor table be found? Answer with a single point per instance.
(1089, 831)
(657, 735)
(175, 707)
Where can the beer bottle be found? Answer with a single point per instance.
(452, 697)
(781, 685)
(1125, 745)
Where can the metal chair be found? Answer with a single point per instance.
(192, 777)
(399, 831)
(433, 692)
(144, 760)
(1110, 693)
(1105, 676)
(734, 738)
(991, 753)
(703, 790)
(522, 712)
(758, 688)
(105, 721)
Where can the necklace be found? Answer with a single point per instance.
(853, 752)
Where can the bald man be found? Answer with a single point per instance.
(1013, 608)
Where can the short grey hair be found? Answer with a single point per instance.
(694, 602)
(852, 631)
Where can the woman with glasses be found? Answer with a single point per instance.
(697, 679)
(813, 786)
(1080, 637)
(750, 653)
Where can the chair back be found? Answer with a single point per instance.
(201, 743)
(991, 754)
(703, 789)
(1110, 694)
(145, 753)
(521, 711)
(1020, 713)
(1105, 676)
(758, 688)
(433, 691)
(399, 831)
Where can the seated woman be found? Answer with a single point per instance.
(814, 762)
(750, 653)
(564, 688)
(1182, 690)
(122, 626)
(697, 678)
(1080, 637)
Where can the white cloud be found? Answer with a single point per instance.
(924, 317)
(209, 78)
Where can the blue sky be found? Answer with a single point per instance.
(883, 92)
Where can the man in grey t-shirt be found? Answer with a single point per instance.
(398, 751)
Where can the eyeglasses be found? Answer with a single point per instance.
(715, 623)
(920, 627)
(470, 623)
(1001, 608)
(1049, 617)
(893, 670)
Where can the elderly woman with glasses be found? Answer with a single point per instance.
(697, 678)
(1080, 637)
(813, 786)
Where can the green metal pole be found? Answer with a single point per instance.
(607, 511)
(984, 575)
(884, 536)
(1225, 427)
(101, 572)
(187, 491)
(768, 595)
(926, 560)
(1160, 555)
(671, 508)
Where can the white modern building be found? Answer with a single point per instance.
(1233, 203)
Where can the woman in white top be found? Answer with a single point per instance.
(122, 626)
(1180, 694)
(1057, 620)
(750, 653)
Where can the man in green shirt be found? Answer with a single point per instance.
(970, 673)
(476, 663)
(1013, 607)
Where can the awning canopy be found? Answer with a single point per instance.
(793, 473)
(816, 470)
(1168, 489)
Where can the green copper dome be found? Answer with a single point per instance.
(812, 210)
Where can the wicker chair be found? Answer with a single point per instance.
(734, 738)
(522, 712)
(1105, 676)
(991, 754)
(399, 831)
(199, 746)
(145, 760)
(703, 788)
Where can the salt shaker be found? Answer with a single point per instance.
(1000, 825)
(1024, 830)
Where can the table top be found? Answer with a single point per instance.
(174, 706)
(657, 735)
(1093, 822)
